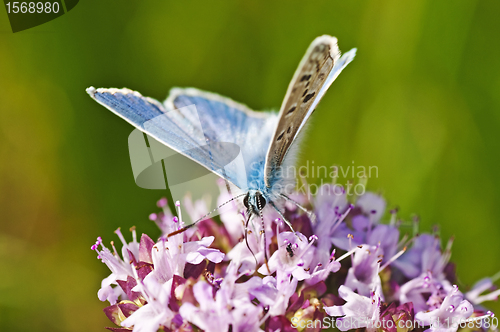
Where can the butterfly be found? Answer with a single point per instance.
(209, 128)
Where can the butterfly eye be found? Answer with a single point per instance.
(245, 201)
(260, 200)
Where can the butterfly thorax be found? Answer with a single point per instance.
(281, 181)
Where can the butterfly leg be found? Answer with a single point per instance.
(246, 238)
(284, 219)
(310, 214)
(263, 232)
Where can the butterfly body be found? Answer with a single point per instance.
(200, 125)
(289, 250)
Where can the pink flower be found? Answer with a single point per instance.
(293, 256)
(185, 282)
(363, 276)
(358, 311)
(424, 256)
(155, 312)
(447, 317)
(477, 293)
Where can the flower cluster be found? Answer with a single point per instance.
(344, 264)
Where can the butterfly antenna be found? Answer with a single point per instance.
(203, 218)
(246, 238)
(284, 219)
(311, 214)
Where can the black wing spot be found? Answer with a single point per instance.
(288, 130)
(291, 110)
(308, 97)
(280, 136)
(305, 78)
(305, 92)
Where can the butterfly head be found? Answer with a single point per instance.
(254, 201)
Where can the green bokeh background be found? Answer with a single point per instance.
(420, 101)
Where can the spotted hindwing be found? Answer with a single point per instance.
(302, 96)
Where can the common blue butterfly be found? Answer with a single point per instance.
(200, 125)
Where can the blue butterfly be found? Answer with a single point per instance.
(207, 128)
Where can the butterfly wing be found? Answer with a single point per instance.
(204, 127)
(225, 120)
(316, 72)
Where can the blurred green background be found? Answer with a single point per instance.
(420, 101)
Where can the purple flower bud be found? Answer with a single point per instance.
(162, 202)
